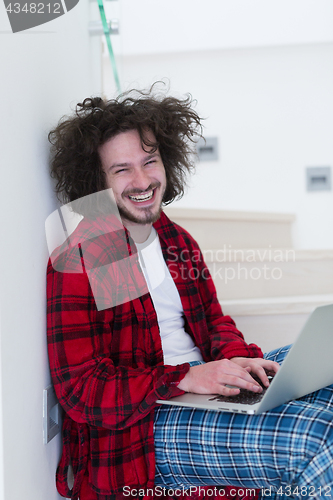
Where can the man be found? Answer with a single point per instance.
(117, 345)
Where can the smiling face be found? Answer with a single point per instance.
(136, 177)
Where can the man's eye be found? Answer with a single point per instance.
(150, 162)
(120, 170)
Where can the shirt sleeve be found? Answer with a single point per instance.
(226, 341)
(90, 387)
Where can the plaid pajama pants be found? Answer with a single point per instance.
(286, 452)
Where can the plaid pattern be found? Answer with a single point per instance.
(107, 365)
(289, 446)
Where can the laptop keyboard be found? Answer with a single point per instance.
(246, 397)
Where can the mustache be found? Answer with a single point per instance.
(135, 191)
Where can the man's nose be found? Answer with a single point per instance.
(141, 180)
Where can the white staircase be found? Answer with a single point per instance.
(217, 229)
(268, 287)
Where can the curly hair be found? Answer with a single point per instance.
(75, 161)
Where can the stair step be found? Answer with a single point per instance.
(249, 273)
(264, 306)
(215, 228)
(273, 322)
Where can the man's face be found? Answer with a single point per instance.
(136, 177)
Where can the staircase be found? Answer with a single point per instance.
(268, 287)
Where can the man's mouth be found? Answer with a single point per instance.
(142, 197)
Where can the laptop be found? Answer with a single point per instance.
(307, 368)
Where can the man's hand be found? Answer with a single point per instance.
(258, 366)
(215, 376)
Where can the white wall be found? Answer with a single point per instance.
(43, 71)
(156, 26)
(265, 87)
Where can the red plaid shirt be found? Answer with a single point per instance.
(107, 365)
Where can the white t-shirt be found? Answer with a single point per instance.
(178, 346)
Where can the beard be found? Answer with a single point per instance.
(147, 215)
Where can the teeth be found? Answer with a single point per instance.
(142, 197)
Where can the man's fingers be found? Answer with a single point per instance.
(261, 374)
(258, 367)
(216, 377)
(241, 379)
(229, 391)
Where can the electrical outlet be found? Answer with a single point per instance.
(51, 414)
(207, 149)
(318, 178)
